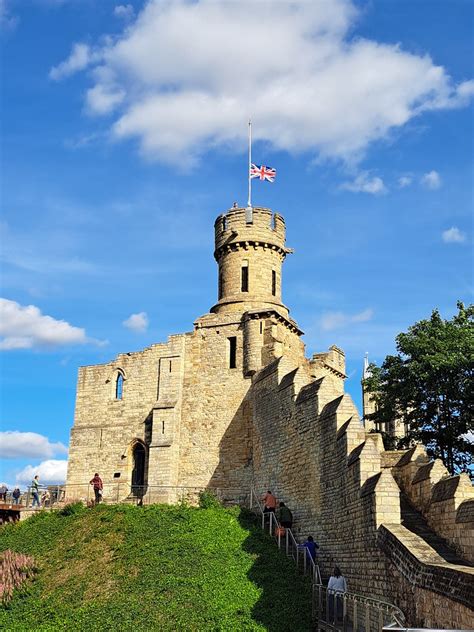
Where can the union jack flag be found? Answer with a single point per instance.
(262, 172)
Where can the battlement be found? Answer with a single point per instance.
(265, 228)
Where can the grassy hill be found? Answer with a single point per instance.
(153, 568)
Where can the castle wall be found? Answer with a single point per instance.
(215, 429)
(446, 502)
(312, 452)
(105, 427)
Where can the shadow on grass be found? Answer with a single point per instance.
(285, 602)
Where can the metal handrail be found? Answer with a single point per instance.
(340, 611)
(123, 492)
(334, 610)
(292, 547)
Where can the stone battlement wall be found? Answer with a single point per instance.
(266, 227)
(311, 450)
(446, 502)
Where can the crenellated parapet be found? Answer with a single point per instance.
(446, 502)
(250, 249)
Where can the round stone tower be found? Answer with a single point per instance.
(250, 249)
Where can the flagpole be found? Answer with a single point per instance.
(249, 203)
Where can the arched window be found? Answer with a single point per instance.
(119, 386)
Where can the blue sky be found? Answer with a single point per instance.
(124, 135)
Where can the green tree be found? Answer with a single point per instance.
(429, 385)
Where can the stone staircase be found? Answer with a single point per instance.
(413, 520)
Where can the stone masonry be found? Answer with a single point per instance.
(235, 403)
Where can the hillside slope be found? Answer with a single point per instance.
(153, 568)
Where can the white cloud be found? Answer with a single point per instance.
(453, 236)
(26, 327)
(365, 184)
(431, 180)
(7, 20)
(80, 57)
(102, 99)
(15, 444)
(137, 322)
(182, 81)
(50, 472)
(337, 320)
(404, 181)
(124, 11)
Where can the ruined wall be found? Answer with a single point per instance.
(106, 427)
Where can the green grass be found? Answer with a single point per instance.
(154, 568)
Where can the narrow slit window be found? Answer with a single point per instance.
(171, 366)
(245, 278)
(119, 387)
(232, 352)
(261, 327)
(274, 282)
(162, 427)
(220, 284)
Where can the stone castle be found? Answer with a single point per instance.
(235, 403)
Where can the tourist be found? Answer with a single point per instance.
(269, 502)
(96, 483)
(35, 491)
(337, 586)
(3, 493)
(285, 516)
(46, 498)
(310, 545)
(16, 496)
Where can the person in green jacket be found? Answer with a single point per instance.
(285, 516)
(35, 491)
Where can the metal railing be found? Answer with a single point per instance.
(331, 610)
(123, 492)
(49, 495)
(345, 611)
(286, 540)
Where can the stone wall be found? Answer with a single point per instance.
(107, 427)
(311, 450)
(430, 591)
(446, 502)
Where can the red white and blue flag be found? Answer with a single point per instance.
(262, 172)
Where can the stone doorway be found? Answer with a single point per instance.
(138, 472)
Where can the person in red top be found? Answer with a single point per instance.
(269, 502)
(96, 483)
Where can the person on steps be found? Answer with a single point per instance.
(310, 545)
(285, 516)
(337, 586)
(269, 502)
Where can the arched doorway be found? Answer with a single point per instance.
(138, 471)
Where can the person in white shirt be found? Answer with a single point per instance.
(336, 586)
(337, 581)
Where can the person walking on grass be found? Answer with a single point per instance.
(35, 491)
(96, 483)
